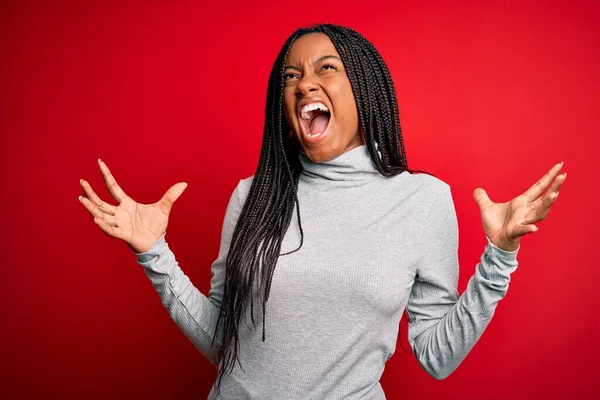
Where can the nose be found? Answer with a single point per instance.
(306, 85)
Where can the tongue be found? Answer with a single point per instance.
(319, 124)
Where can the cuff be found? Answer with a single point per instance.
(155, 250)
(506, 259)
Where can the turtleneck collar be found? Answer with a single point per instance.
(355, 164)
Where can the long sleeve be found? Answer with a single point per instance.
(443, 328)
(194, 313)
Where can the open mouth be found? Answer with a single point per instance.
(314, 120)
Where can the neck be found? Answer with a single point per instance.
(352, 165)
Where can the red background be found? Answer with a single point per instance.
(491, 94)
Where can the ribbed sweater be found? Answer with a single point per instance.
(373, 247)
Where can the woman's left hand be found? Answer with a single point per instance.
(505, 223)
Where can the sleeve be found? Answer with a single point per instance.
(194, 313)
(443, 328)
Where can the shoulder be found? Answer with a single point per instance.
(246, 182)
(423, 185)
(236, 202)
(427, 196)
(437, 203)
(242, 189)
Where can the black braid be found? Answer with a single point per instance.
(267, 212)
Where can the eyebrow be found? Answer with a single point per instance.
(320, 59)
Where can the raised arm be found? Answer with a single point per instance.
(194, 313)
(443, 328)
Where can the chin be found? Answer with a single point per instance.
(328, 147)
(319, 155)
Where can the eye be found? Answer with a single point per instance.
(327, 67)
(287, 76)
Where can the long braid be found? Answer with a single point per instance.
(268, 209)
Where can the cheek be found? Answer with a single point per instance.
(352, 112)
(351, 102)
(346, 111)
(348, 115)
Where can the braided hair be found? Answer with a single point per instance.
(268, 209)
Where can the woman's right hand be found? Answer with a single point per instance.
(139, 225)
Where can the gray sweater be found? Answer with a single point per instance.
(373, 246)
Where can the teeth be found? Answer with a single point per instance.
(305, 111)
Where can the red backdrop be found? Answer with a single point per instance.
(490, 95)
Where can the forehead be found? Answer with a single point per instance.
(310, 47)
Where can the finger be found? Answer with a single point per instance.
(538, 188)
(524, 229)
(111, 220)
(481, 198)
(109, 230)
(541, 208)
(115, 190)
(95, 200)
(96, 213)
(557, 183)
(549, 199)
(91, 207)
(171, 196)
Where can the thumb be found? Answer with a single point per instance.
(172, 195)
(481, 198)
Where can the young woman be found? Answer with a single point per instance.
(330, 241)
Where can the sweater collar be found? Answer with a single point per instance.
(352, 165)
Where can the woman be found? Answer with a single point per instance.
(356, 236)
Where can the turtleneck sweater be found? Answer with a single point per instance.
(373, 247)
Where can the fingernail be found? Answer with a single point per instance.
(562, 162)
(79, 198)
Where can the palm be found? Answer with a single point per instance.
(139, 225)
(495, 218)
(505, 223)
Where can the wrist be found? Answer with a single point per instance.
(506, 245)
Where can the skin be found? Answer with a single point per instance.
(314, 70)
(506, 223)
(141, 225)
(138, 225)
(308, 76)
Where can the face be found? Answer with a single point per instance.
(319, 103)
